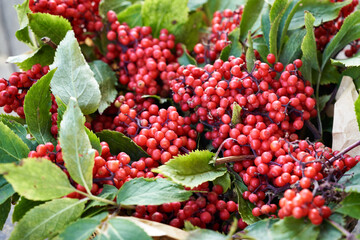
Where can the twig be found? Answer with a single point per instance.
(234, 159)
(48, 41)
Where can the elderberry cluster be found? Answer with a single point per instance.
(273, 102)
(82, 14)
(326, 31)
(162, 133)
(221, 25)
(206, 209)
(13, 90)
(145, 64)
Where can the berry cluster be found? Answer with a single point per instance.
(272, 106)
(82, 14)
(205, 210)
(221, 25)
(108, 169)
(13, 91)
(305, 173)
(162, 133)
(326, 31)
(144, 63)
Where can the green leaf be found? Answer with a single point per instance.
(354, 73)
(277, 11)
(37, 179)
(22, 207)
(12, 148)
(43, 55)
(337, 43)
(328, 231)
(23, 33)
(347, 62)
(131, 15)
(109, 192)
(245, 207)
(250, 55)
(73, 77)
(285, 22)
(285, 230)
(145, 191)
(251, 13)
(119, 228)
(330, 74)
(188, 32)
(185, 59)
(292, 47)
(61, 110)
(19, 130)
(77, 152)
(2, 181)
(118, 142)
(352, 178)
(43, 25)
(308, 48)
(322, 10)
(6, 192)
(195, 4)
(323, 100)
(350, 206)
(88, 52)
(4, 212)
(188, 226)
(354, 184)
(94, 140)
(158, 98)
(12, 118)
(82, 229)
(160, 14)
(205, 234)
(260, 45)
(107, 80)
(266, 25)
(224, 181)
(191, 169)
(236, 114)
(47, 220)
(115, 5)
(261, 229)
(37, 107)
(90, 212)
(234, 48)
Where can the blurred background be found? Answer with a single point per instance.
(9, 46)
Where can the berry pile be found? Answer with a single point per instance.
(162, 133)
(206, 209)
(316, 169)
(275, 103)
(250, 116)
(82, 14)
(326, 31)
(13, 90)
(145, 64)
(221, 25)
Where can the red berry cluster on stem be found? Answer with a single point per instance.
(82, 14)
(13, 90)
(326, 31)
(221, 25)
(162, 133)
(145, 64)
